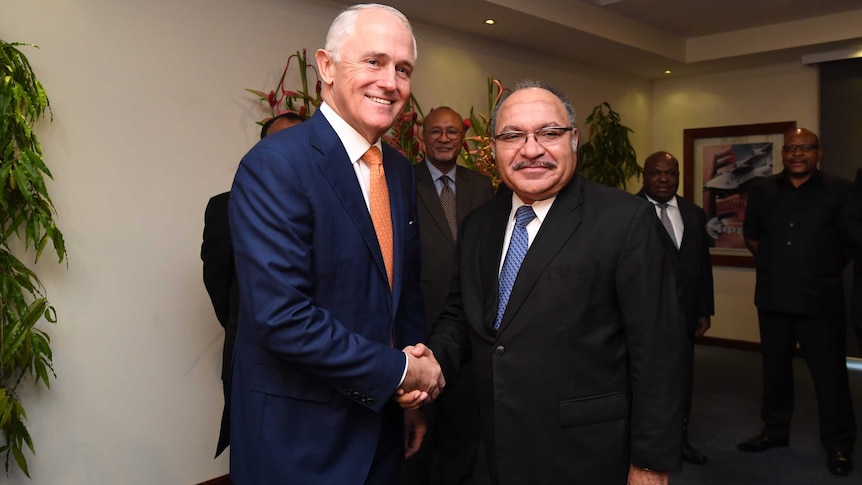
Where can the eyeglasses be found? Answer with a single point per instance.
(544, 136)
(804, 148)
(436, 133)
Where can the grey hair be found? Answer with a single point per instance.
(344, 26)
(533, 83)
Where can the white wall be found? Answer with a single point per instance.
(150, 120)
(786, 92)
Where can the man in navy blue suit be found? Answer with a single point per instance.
(329, 291)
(220, 277)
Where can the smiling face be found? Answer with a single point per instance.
(443, 134)
(661, 176)
(367, 81)
(532, 170)
(801, 160)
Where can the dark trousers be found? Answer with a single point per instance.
(689, 377)
(823, 344)
(448, 454)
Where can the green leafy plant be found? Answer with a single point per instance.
(477, 153)
(282, 100)
(26, 214)
(608, 157)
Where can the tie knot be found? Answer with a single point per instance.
(372, 156)
(524, 215)
(445, 179)
(663, 205)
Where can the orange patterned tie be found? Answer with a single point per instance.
(379, 200)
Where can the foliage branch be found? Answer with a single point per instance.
(26, 214)
(608, 157)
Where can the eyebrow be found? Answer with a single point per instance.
(549, 124)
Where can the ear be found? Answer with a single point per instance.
(325, 66)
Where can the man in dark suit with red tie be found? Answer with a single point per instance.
(686, 226)
(566, 300)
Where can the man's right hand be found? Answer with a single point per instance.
(424, 379)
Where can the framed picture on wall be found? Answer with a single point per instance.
(719, 165)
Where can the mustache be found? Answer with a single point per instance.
(534, 164)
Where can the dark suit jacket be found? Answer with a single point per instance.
(850, 224)
(586, 371)
(314, 362)
(472, 189)
(220, 282)
(695, 267)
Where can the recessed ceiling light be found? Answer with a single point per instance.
(490, 22)
(667, 71)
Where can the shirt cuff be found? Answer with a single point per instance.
(404, 374)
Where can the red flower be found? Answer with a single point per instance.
(467, 123)
(271, 99)
(302, 111)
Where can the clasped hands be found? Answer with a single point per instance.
(424, 380)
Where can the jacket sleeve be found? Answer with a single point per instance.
(655, 333)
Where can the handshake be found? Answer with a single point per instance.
(424, 380)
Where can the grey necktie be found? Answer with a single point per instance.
(447, 200)
(665, 221)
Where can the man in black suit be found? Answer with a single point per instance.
(566, 300)
(220, 277)
(850, 224)
(686, 225)
(791, 227)
(446, 194)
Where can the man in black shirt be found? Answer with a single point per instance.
(850, 224)
(791, 227)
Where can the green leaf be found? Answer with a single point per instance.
(26, 213)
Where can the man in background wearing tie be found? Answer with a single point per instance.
(327, 259)
(566, 301)
(685, 223)
(446, 193)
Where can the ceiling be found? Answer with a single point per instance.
(644, 38)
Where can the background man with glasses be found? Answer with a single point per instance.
(446, 193)
(566, 300)
(791, 227)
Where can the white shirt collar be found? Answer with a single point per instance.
(672, 202)
(540, 207)
(355, 144)
(436, 173)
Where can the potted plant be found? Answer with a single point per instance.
(26, 214)
(608, 156)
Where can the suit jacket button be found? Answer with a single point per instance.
(500, 350)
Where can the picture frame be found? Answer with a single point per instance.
(719, 165)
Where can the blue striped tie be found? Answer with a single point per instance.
(518, 246)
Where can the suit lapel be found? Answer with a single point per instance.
(557, 228)
(398, 213)
(463, 194)
(336, 167)
(431, 200)
(490, 252)
(689, 222)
